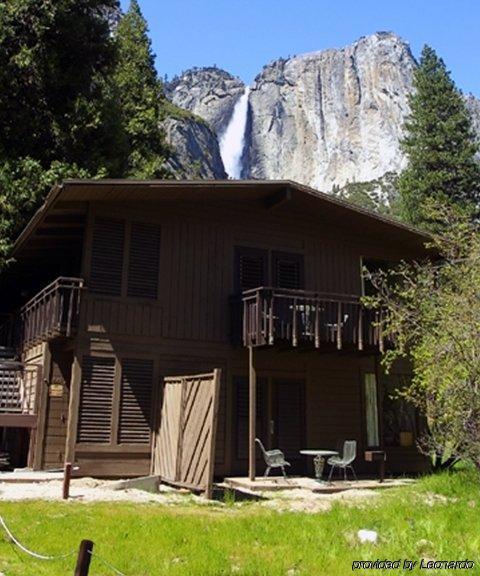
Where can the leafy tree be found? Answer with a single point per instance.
(22, 186)
(58, 112)
(140, 95)
(56, 102)
(433, 316)
(439, 144)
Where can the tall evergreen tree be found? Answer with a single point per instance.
(58, 111)
(439, 144)
(56, 101)
(140, 95)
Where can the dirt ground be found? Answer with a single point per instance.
(92, 490)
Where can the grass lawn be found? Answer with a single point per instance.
(437, 518)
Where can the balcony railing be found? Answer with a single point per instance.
(300, 318)
(18, 393)
(51, 313)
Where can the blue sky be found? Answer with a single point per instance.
(243, 35)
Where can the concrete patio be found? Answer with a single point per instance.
(277, 483)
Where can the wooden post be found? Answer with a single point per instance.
(83, 558)
(67, 475)
(252, 414)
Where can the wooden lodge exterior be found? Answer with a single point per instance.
(118, 284)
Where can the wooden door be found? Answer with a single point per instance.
(287, 424)
(184, 446)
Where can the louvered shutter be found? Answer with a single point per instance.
(288, 271)
(135, 402)
(107, 257)
(144, 260)
(96, 400)
(251, 268)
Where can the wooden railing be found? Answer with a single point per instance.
(51, 313)
(18, 386)
(299, 317)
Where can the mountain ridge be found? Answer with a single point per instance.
(326, 118)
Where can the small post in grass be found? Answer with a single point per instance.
(83, 558)
(67, 475)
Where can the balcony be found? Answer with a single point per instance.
(50, 314)
(298, 318)
(18, 387)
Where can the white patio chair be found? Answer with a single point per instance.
(273, 459)
(345, 461)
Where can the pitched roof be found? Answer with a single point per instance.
(66, 204)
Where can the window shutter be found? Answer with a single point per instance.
(144, 260)
(96, 399)
(288, 271)
(135, 402)
(107, 257)
(251, 268)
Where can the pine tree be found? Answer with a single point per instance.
(56, 100)
(439, 145)
(58, 111)
(141, 95)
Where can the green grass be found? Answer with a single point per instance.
(437, 518)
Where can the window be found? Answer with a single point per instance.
(251, 267)
(144, 260)
(287, 271)
(106, 268)
(371, 410)
(100, 407)
(107, 264)
(135, 402)
(96, 400)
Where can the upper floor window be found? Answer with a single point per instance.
(255, 267)
(251, 268)
(106, 268)
(288, 271)
(116, 271)
(144, 260)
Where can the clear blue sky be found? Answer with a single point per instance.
(243, 35)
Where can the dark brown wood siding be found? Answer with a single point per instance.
(185, 329)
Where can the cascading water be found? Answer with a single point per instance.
(233, 139)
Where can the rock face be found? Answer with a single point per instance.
(210, 93)
(331, 117)
(327, 119)
(196, 154)
(473, 105)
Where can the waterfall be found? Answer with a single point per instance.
(233, 139)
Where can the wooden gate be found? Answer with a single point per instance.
(184, 446)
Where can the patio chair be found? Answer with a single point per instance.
(273, 459)
(345, 461)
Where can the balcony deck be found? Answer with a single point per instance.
(50, 314)
(299, 318)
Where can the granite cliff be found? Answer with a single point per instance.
(326, 119)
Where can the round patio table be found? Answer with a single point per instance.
(319, 459)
